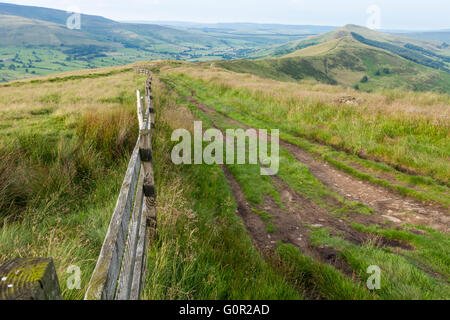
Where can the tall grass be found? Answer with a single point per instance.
(61, 170)
(203, 250)
(409, 131)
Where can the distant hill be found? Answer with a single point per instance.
(442, 36)
(358, 57)
(36, 41)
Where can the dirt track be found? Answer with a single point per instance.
(389, 206)
(299, 216)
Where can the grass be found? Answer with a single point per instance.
(65, 145)
(63, 154)
(431, 247)
(326, 281)
(410, 146)
(400, 279)
(407, 274)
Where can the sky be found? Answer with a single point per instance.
(384, 14)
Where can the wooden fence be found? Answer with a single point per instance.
(120, 269)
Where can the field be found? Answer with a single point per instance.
(363, 181)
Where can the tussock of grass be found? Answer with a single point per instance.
(321, 280)
(401, 278)
(432, 248)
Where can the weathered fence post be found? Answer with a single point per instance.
(120, 269)
(29, 279)
(149, 227)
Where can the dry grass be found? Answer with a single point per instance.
(396, 103)
(64, 148)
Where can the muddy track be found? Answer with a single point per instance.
(389, 206)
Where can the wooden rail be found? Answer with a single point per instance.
(120, 269)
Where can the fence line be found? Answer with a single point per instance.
(120, 268)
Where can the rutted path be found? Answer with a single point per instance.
(389, 205)
(295, 220)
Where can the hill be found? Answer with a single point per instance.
(360, 182)
(36, 41)
(355, 56)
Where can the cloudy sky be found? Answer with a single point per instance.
(394, 14)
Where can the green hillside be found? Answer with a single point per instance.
(431, 46)
(358, 57)
(36, 41)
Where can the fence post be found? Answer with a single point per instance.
(148, 226)
(29, 279)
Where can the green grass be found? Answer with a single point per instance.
(326, 281)
(312, 124)
(203, 250)
(431, 247)
(400, 278)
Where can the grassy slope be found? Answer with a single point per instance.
(287, 48)
(68, 141)
(345, 61)
(341, 57)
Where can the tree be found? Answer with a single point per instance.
(364, 79)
